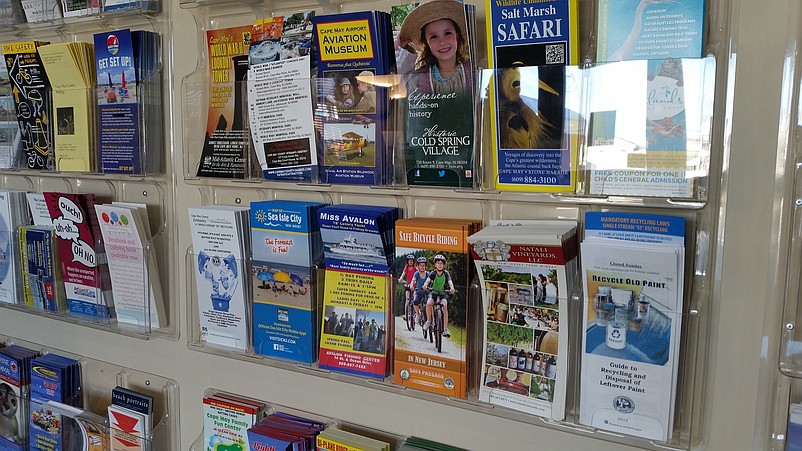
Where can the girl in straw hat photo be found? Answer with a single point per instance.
(436, 30)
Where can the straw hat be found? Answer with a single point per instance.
(427, 13)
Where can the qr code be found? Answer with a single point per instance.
(555, 54)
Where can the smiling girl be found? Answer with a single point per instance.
(436, 30)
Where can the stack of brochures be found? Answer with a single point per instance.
(280, 97)
(70, 68)
(221, 239)
(33, 102)
(287, 251)
(338, 439)
(283, 431)
(527, 272)
(84, 268)
(130, 420)
(226, 419)
(633, 273)
(358, 246)
(138, 298)
(433, 333)
(42, 284)
(354, 55)
(436, 95)
(55, 383)
(15, 374)
(129, 99)
(224, 152)
(13, 213)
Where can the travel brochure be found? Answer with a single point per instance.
(526, 275)
(358, 248)
(287, 251)
(75, 111)
(224, 146)
(352, 106)
(437, 116)
(432, 333)
(280, 100)
(128, 101)
(535, 144)
(54, 379)
(15, 386)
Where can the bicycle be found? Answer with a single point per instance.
(437, 324)
(409, 314)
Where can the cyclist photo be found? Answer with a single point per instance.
(438, 281)
(430, 312)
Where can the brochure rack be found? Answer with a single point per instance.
(98, 378)
(153, 185)
(589, 95)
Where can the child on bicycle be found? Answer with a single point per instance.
(418, 280)
(406, 278)
(439, 280)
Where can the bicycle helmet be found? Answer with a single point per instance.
(410, 257)
(439, 257)
(421, 260)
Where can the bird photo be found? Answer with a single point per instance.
(525, 122)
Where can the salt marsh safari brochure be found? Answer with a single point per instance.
(417, 363)
(633, 270)
(535, 142)
(224, 146)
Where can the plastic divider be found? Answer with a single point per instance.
(611, 148)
